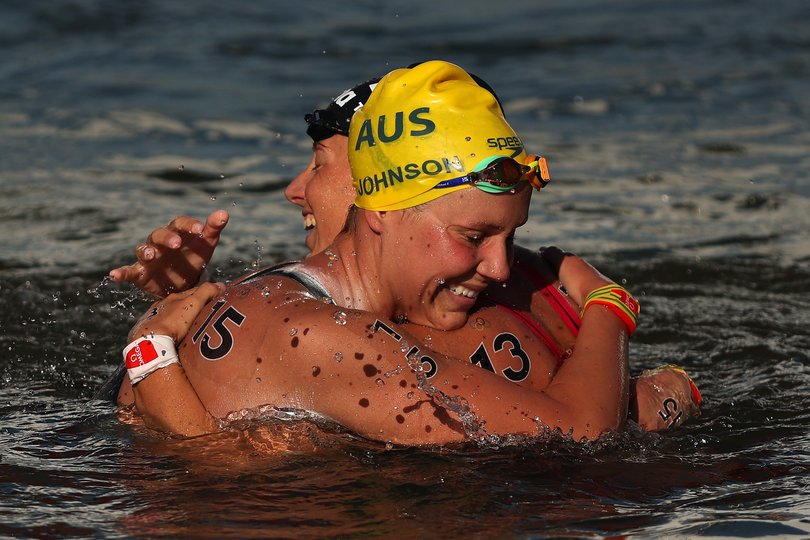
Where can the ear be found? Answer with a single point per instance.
(376, 220)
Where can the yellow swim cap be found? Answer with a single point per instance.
(422, 126)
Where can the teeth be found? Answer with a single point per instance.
(309, 221)
(463, 291)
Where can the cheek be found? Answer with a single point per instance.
(447, 255)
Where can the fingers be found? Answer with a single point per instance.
(204, 292)
(214, 225)
(208, 291)
(145, 252)
(129, 273)
(171, 236)
(553, 256)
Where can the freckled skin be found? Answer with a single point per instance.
(327, 339)
(316, 371)
(358, 356)
(294, 342)
(364, 402)
(400, 419)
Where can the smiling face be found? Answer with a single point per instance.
(437, 258)
(324, 191)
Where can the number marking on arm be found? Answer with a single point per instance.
(218, 328)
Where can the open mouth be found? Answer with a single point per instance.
(309, 222)
(460, 290)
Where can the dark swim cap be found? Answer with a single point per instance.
(335, 118)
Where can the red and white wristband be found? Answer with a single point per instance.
(148, 354)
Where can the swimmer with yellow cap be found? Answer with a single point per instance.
(442, 182)
(432, 130)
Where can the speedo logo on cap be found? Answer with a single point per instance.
(418, 126)
(510, 143)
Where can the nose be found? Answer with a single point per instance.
(496, 262)
(296, 189)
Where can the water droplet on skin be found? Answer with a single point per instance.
(293, 331)
(380, 382)
(440, 281)
(468, 139)
(213, 197)
(338, 357)
(265, 292)
(404, 346)
(181, 168)
(279, 284)
(222, 176)
(410, 395)
(389, 445)
(258, 379)
(340, 318)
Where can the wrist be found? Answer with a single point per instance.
(618, 301)
(147, 354)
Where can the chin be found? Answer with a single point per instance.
(447, 321)
(311, 242)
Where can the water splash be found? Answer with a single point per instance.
(340, 318)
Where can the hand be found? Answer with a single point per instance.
(663, 398)
(577, 276)
(173, 257)
(174, 315)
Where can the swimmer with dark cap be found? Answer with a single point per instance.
(493, 338)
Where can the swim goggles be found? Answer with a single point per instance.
(499, 174)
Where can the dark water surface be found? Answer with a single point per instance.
(678, 137)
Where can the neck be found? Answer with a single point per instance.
(351, 273)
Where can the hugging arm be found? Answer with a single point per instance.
(374, 378)
(165, 398)
(661, 398)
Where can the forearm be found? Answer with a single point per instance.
(163, 394)
(168, 402)
(594, 382)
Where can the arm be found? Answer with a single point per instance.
(660, 399)
(165, 398)
(173, 257)
(376, 391)
(288, 350)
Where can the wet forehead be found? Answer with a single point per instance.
(473, 208)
